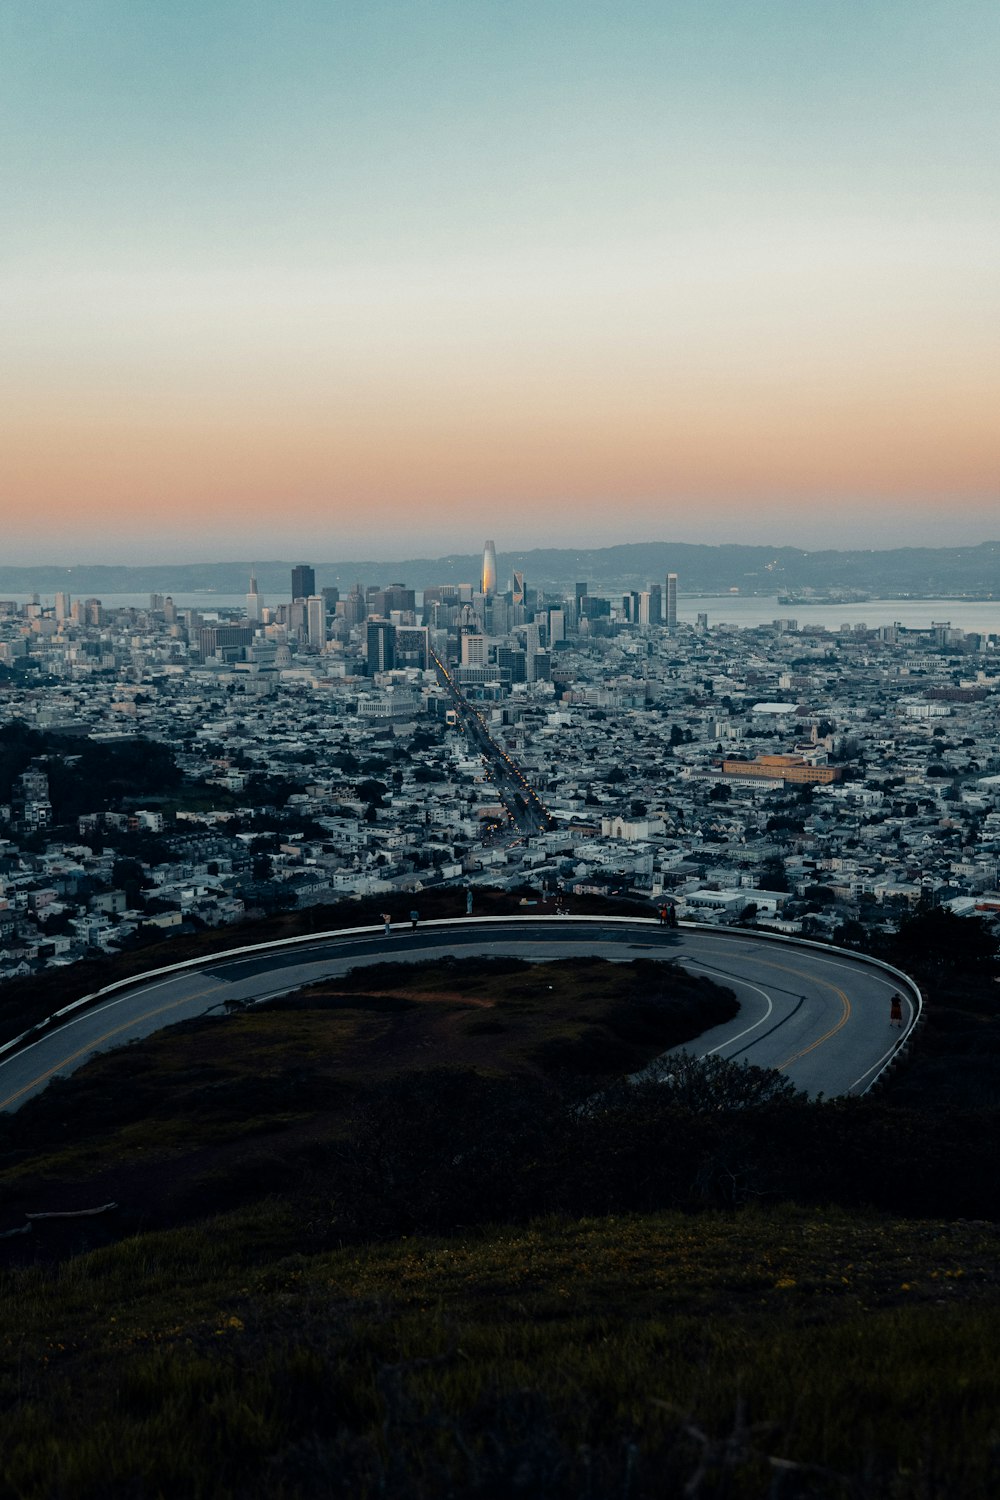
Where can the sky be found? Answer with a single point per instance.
(364, 278)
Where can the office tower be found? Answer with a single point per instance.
(489, 581)
(518, 590)
(499, 614)
(354, 606)
(671, 601)
(62, 607)
(581, 594)
(532, 649)
(382, 601)
(656, 605)
(254, 601)
(227, 641)
(316, 620)
(412, 646)
(381, 646)
(303, 581)
(92, 612)
(513, 662)
(557, 626)
(169, 611)
(475, 650)
(155, 602)
(331, 598)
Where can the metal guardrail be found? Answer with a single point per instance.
(880, 1068)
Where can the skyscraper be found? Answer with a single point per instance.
(671, 601)
(489, 582)
(316, 620)
(253, 601)
(303, 581)
(381, 646)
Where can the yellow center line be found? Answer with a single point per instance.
(828, 985)
(845, 1015)
(92, 1046)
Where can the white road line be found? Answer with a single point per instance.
(885, 1055)
(833, 963)
(694, 964)
(317, 955)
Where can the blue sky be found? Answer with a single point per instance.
(560, 203)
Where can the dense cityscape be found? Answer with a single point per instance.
(166, 768)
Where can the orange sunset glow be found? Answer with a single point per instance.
(697, 304)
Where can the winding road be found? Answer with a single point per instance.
(819, 1016)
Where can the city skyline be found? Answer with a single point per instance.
(364, 283)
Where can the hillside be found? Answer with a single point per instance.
(922, 571)
(785, 1353)
(212, 1112)
(404, 1235)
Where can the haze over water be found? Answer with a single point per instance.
(744, 610)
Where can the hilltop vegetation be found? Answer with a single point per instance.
(789, 1353)
(408, 1235)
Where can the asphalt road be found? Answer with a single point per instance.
(822, 1019)
(523, 806)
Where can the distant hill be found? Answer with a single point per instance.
(927, 572)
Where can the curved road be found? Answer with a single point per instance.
(821, 1018)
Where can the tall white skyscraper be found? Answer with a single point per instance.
(489, 583)
(671, 602)
(62, 607)
(254, 601)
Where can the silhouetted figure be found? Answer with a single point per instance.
(896, 1010)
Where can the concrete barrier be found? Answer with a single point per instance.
(305, 939)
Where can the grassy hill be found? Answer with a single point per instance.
(404, 1235)
(785, 1353)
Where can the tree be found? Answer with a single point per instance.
(372, 792)
(936, 941)
(129, 876)
(709, 1084)
(850, 934)
(773, 876)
